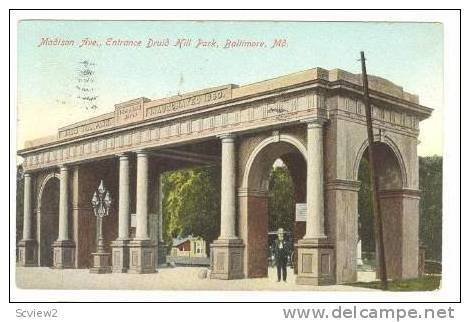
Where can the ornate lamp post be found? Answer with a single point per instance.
(101, 203)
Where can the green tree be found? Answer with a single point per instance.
(430, 219)
(281, 203)
(191, 203)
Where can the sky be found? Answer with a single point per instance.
(50, 78)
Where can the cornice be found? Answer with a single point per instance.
(319, 85)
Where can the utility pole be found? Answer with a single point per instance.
(374, 182)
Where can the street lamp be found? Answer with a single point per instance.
(101, 203)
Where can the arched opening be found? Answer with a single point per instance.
(281, 211)
(271, 164)
(190, 214)
(281, 202)
(391, 182)
(48, 229)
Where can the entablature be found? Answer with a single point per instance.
(203, 114)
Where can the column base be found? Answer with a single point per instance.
(64, 254)
(101, 263)
(141, 256)
(120, 249)
(227, 259)
(315, 264)
(27, 253)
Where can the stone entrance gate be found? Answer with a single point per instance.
(313, 120)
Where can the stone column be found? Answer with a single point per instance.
(120, 247)
(64, 247)
(227, 250)
(315, 194)
(315, 253)
(27, 207)
(161, 248)
(141, 207)
(124, 218)
(27, 247)
(63, 204)
(142, 250)
(228, 189)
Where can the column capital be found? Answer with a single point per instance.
(27, 174)
(63, 167)
(227, 137)
(123, 156)
(314, 122)
(141, 153)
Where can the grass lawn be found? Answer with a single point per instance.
(425, 283)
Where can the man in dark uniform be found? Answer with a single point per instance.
(280, 255)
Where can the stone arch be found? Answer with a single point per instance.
(47, 217)
(393, 148)
(286, 138)
(399, 208)
(253, 197)
(43, 184)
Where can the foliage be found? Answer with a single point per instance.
(430, 184)
(281, 203)
(191, 203)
